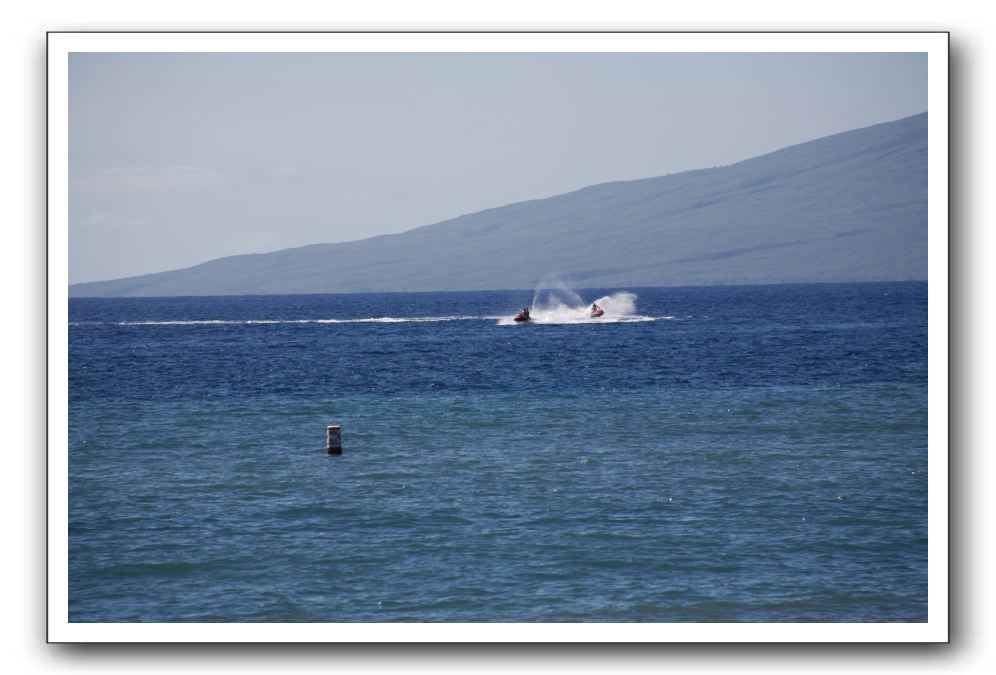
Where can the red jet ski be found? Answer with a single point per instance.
(523, 315)
(596, 311)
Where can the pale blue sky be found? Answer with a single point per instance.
(180, 158)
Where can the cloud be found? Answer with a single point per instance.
(146, 179)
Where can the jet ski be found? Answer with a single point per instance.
(522, 316)
(596, 311)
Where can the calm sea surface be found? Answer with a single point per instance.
(698, 454)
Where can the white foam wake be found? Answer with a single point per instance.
(619, 308)
(558, 304)
(249, 322)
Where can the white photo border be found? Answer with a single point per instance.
(934, 44)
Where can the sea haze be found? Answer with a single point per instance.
(710, 454)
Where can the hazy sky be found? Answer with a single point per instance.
(180, 158)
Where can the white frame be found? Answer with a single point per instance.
(60, 45)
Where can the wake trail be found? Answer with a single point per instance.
(251, 322)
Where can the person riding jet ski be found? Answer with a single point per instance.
(523, 315)
(596, 310)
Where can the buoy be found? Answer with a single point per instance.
(334, 442)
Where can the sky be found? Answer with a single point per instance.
(180, 158)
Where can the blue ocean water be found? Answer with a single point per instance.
(729, 454)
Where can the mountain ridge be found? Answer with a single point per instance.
(845, 207)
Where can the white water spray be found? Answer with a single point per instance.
(556, 303)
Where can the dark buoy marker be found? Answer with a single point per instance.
(334, 443)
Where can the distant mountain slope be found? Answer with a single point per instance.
(848, 207)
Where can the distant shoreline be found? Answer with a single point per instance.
(503, 290)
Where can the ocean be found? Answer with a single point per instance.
(721, 454)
